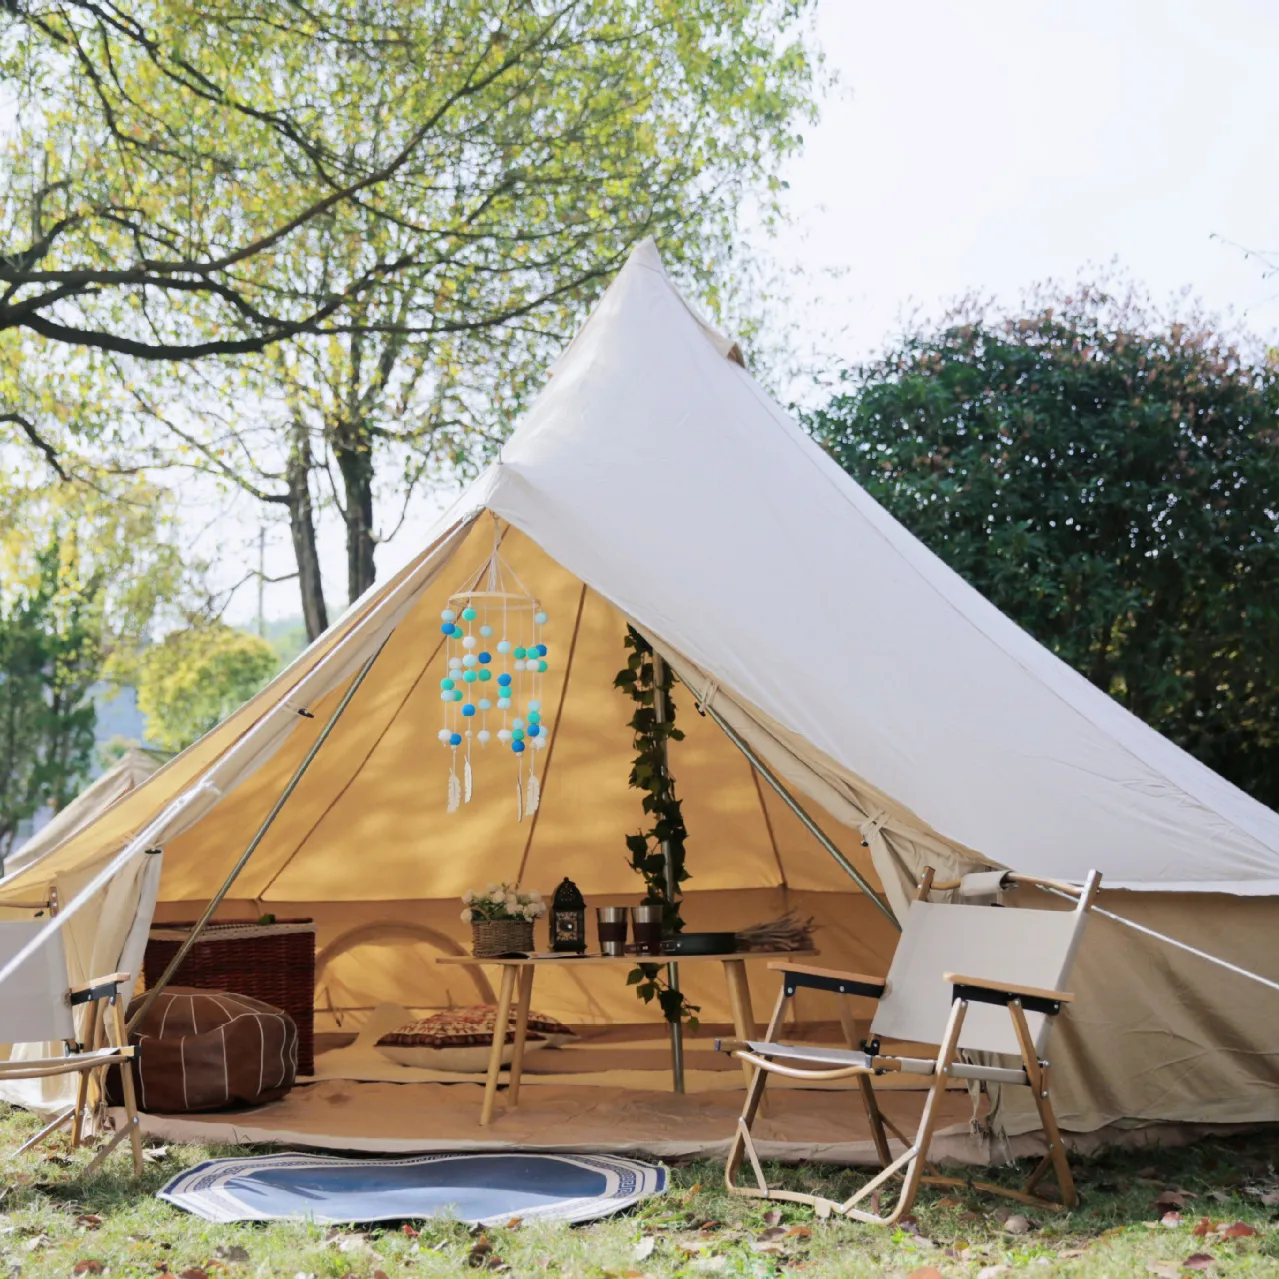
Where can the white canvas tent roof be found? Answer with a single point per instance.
(132, 768)
(653, 481)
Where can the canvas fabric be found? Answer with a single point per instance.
(654, 483)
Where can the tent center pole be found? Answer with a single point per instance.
(193, 936)
(793, 804)
(672, 968)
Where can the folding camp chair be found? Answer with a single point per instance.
(37, 1004)
(968, 978)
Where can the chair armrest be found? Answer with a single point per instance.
(96, 988)
(1036, 999)
(840, 983)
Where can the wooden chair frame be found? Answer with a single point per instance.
(106, 1045)
(864, 1062)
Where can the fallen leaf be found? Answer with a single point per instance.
(799, 1232)
(769, 1246)
(993, 1272)
(692, 1191)
(948, 1201)
(37, 1241)
(380, 1274)
(709, 1225)
(771, 1234)
(1239, 1230)
(231, 1252)
(1199, 1261)
(89, 1266)
(408, 1230)
(644, 1248)
(89, 1220)
(515, 1223)
(1205, 1227)
(925, 1272)
(1170, 1200)
(1018, 1224)
(194, 1273)
(155, 1154)
(1170, 1219)
(1221, 1196)
(772, 1217)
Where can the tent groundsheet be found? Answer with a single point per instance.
(653, 483)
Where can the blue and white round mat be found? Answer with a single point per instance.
(480, 1189)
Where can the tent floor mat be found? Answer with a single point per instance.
(423, 1118)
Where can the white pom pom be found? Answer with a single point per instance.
(469, 641)
(483, 736)
(504, 735)
(470, 659)
(535, 705)
(517, 723)
(539, 742)
(455, 663)
(520, 663)
(504, 703)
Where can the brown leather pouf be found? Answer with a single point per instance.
(212, 1050)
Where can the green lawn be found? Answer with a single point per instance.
(54, 1222)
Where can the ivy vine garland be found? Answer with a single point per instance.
(650, 775)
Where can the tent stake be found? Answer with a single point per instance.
(793, 804)
(193, 936)
(672, 968)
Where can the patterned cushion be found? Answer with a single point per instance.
(459, 1039)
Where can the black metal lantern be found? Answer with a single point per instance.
(568, 918)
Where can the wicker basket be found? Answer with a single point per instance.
(501, 936)
(271, 962)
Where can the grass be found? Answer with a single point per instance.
(55, 1221)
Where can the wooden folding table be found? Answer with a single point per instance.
(739, 1001)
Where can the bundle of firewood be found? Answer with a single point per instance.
(786, 932)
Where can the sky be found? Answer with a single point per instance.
(987, 145)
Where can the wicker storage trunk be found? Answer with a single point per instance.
(271, 962)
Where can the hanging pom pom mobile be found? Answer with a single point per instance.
(495, 658)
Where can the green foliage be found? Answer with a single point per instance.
(196, 677)
(1109, 480)
(649, 849)
(50, 630)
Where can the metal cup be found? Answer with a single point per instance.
(646, 928)
(611, 921)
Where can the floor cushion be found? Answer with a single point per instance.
(459, 1039)
(212, 1050)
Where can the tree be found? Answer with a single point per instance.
(174, 178)
(421, 198)
(1110, 480)
(195, 677)
(49, 657)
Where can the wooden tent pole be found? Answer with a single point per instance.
(793, 804)
(193, 936)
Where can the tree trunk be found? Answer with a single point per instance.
(355, 462)
(302, 526)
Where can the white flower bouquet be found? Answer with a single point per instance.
(501, 919)
(502, 901)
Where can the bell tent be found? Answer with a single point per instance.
(654, 484)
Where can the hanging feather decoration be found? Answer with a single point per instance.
(466, 776)
(455, 788)
(534, 797)
(519, 798)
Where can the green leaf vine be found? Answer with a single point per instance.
(650, 774)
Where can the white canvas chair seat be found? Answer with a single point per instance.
(37, 1006)
(968, 978)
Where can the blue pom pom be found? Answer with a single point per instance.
(534, 730)
(455, 739)
(486, 657)
(535, 705)
(503, 678)
(485, 704)
(468, 710)
(486, 630)
(541, 650)
(504, 646)
(517, 746)
(448, 615)
(446, 627)
(540, 618)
